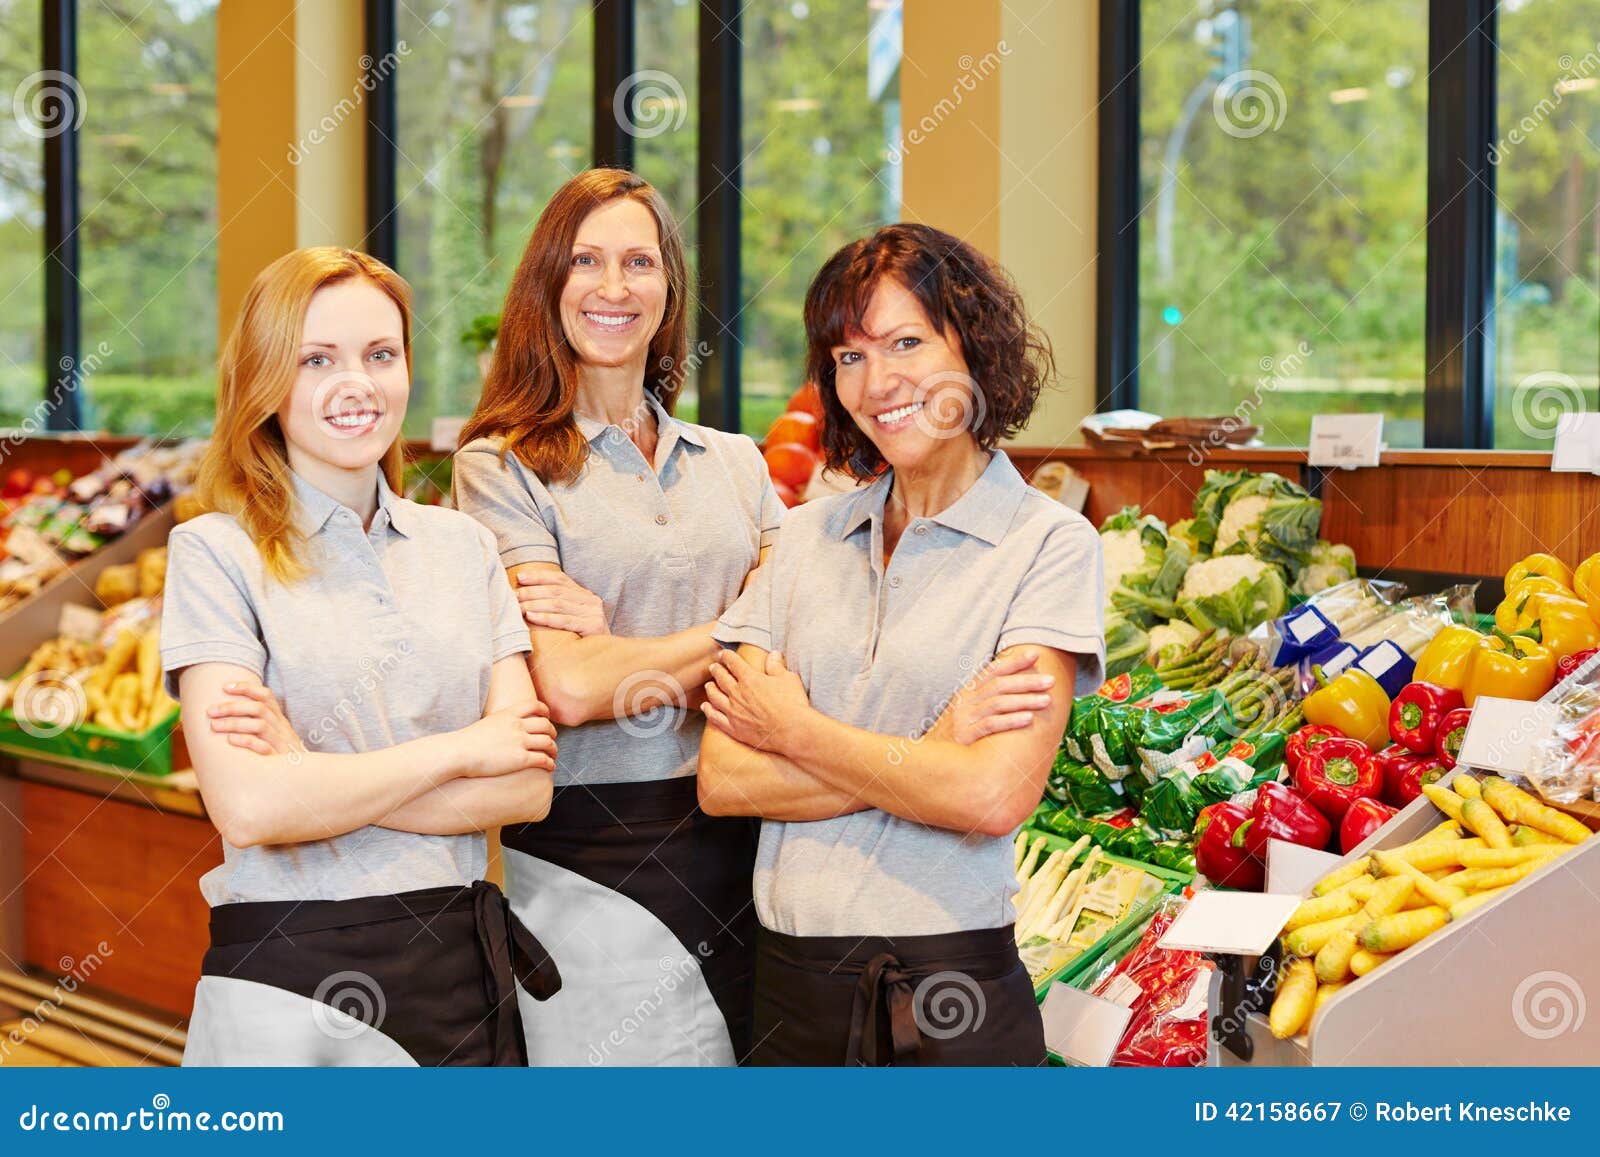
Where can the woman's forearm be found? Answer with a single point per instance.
(735, 780)
(462, 806)
(609, 677)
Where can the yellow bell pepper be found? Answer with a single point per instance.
(1519, 610)
(1508, 667)
(1566, 625)
(1545, 564)
(1447, 659)
(1355, 704)
(1586, 581)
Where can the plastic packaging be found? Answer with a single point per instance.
(1167, 991)
(1565, 766)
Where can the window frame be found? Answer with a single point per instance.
(1459, 390)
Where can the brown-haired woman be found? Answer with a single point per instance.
(884, 879)
(626, 531)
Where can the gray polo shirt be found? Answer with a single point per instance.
(884, 649)
(665, 545)
(389, 639)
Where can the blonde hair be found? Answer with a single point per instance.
(245, 472)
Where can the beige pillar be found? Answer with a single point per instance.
(290, 135)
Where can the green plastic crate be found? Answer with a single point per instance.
(149, 752)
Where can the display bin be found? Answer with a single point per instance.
(1505, 986)
(1080, 964)
(149, 752)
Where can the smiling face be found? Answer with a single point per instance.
(616, 289)
(905, 383)
(351, 383)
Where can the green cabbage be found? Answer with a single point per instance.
(1233, 593)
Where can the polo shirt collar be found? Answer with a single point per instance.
(984, 512)
(313, 508)
(666, 424)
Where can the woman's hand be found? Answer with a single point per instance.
(508, 741)
(555, 601)
(254, 719)
(1005, 696)
(757, 707)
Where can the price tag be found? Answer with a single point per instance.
(1380, 659)
(1307, 624)
(1577, 444)
(1347, 440)
(1336, 659)
(1082, 1029)
(1502, 733)
(445, 434)
(1123, 991)
(1291, 869)
(1230, 923)
(78, 622)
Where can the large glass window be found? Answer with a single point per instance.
(148, 225)
(1547, 228)
(1283, 197)
(494, 115)
(821, 119)
(22, 214)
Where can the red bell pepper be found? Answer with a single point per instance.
(1304, 740)
(1280, 813)
(1406, 777)
(1452, 730)
(1364, 817)
(1567, 664)
(1219, 852)
(1336, 773)
(1415, 714)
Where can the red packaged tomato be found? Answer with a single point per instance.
(798, 427)
(807, 400)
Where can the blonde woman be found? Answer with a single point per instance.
(350, 921)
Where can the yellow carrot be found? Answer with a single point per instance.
(1363, 962)
(1403, 929)
(1440, 894)
(1516, 804)
(1308, 941)
(1333, 958)
(1339, 877)
(1445, 800)
(1322, 908)
(1463, 908)
(1510, 857)
(1291, 1008)
(1466, 787)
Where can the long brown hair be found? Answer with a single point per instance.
(245, 471)
(532, 384)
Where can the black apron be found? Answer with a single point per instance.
(959, 998)
(646, 903)
(427, 977)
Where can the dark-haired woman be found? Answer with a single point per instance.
(884, 879)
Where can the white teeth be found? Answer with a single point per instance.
(893, 416)
(610, 321)
(351, 421)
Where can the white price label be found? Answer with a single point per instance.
(1577, 444)
(1347, 440)
(1305, 626)
(1230, 923)
(1123, 991)
(1194, 1001)
(1502, 734)
(1382, 658)
(1082, 1029)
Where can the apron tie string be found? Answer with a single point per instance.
(513, 955)
(884, 979)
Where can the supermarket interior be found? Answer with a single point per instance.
(1321, 286)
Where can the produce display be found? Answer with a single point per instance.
(1166, 990)
(1365, 913)
(792, 448)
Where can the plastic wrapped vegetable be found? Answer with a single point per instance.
(1328, 566)
(1126, 643)
(1094, 733)
(1081, 787)
(1166, 990)
(1232, 593)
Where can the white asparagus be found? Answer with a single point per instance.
(1028, 864)
(1044, 881)
(1047, 913)
(1064, 926)
(1019, 849)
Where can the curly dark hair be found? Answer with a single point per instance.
(962, 292)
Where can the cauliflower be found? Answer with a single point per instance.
(1124, 554)
(1239, 521)
(1232, 593)
(1170, 640)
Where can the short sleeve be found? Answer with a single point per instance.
(749, 620)
(499, 495)
(509, 634)
(772, 511)
(1061, 602)
(206, 613)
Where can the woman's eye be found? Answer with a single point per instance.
(583, 259)
(642, 263)
(318, 361)
(907, 343)
(384, 355)
(849, 358)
